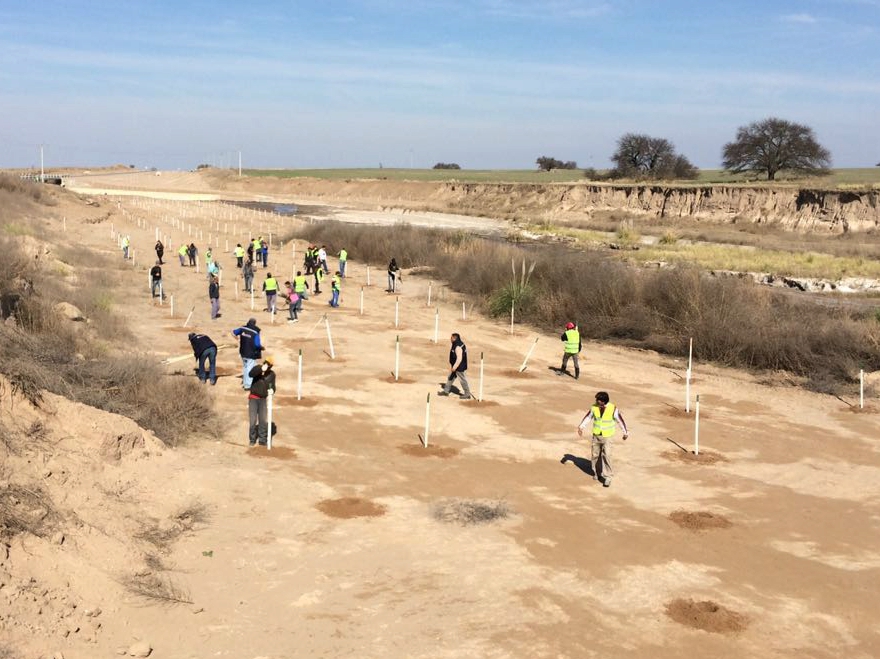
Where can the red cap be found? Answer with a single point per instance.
(569, 326)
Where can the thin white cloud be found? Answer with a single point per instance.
(800, 18)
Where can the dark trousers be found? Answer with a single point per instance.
(210, 356)
(258, 421)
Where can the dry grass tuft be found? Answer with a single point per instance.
(468, 512)
(156, 588)
(26, 510)
(162, 535)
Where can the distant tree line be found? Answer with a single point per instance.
(546, 164)
(765, 148)
(446, 165)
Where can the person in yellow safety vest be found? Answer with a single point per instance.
(343, 258)
(319, 277)
(300, 285)
(126, 243)
(182, 254)
(335, 288)
(258, 249)
(270, 286)
(239, 255)
(571, 337)
(209, 257)
(605, 417)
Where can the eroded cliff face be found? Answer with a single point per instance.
(793, 208)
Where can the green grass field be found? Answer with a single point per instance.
(838, 179)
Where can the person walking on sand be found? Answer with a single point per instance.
(319, 277)
(393, 274)
(160, 251)
(322, 259)
(264, 250)
(182, 253)
(156, 280)
(270, 287)
(249, 348)
(205, 350)
(214, 296)
(126, 243)
(571, 337)
(335, 289)
(343, 259)
(605, 417)
(458, 363)
(239, 255)
(301, 285)
(247, 271)
(192, 252)
(294, 303)
(263, 384)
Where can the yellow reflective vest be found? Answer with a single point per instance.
(604, 424)
(299, 283)
(572, 341)
(271, 285)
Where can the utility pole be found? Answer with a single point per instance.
(42, 171)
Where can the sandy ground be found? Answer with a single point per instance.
(340, 541)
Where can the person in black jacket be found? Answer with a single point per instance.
(205, 350)
(250, 348)
(214, 296)
(458, 363)
(262, 386)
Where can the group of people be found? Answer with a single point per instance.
(186, 253)
(601, 421)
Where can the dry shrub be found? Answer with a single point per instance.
(24, 188)
(156, 588)
(732, 321)
(26, 510)
(468, 512)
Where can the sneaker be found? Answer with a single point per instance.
(606, 482)
(213, 382)
(442, 393)
(252, 443)
(560, 372)
(465, 397)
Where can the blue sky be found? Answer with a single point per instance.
(484, 83)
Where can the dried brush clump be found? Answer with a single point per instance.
(468, 512)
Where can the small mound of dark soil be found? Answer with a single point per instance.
(277, 452)
(700, 520)
(291, 400)
(705, 457)
(482, 403)
(679, 413)
(867, 409)
(390, 379)
(419, 451)
(349, 507)
(514, 373)
(706, 615)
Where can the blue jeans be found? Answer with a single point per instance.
(342, 268)
(210, 355)
(247, 364)
(157, 287)
(335, 301)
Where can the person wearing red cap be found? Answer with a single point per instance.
(572, 340)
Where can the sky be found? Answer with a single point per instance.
(486, 84)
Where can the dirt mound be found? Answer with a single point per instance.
(470, 511)
(277, 452)
(115, 447)
(291, 400)
(705, 457)
(390, 379)
(678, 413)
(419, 451)
(699, 520)
(706, 615)
(515, 373)
(348, 507)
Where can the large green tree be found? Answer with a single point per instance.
(776, 145)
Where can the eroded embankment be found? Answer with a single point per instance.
(790, 207)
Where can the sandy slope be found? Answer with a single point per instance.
(576, 570)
